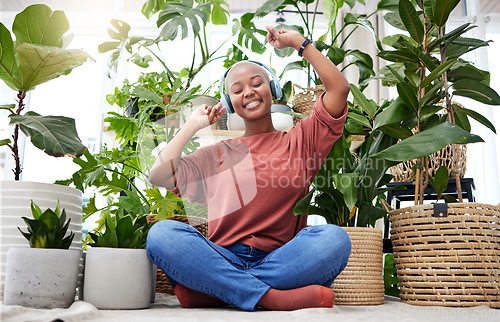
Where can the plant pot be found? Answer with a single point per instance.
(281, 121)
(118, 278)
(41, 278)
(449, 260)
(362, 281)
(15, 202)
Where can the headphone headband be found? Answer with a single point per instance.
(276, 90)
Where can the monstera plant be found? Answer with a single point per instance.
(37, 55)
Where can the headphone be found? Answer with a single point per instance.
(276, 90)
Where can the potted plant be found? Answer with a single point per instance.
(45, 275)
(37, 55)
(118, 272)
(347, 192)
(330, 42)
(427, 68)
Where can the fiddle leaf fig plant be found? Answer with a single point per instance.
(48, 229)
(37, 55)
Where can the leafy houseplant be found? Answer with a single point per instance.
(427, 67)
(118, 272)
(45, 275)
(37, 56)
(186, 15)
(121, 232)
(329, 43)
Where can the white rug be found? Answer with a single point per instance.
(167, 308)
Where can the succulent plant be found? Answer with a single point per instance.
(48, 229)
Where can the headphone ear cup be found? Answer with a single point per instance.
(276, 90)
(226, 101)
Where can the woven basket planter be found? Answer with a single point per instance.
(162, 283)
(362, 282)
(403, 172)
(304, 99)
(448, 261)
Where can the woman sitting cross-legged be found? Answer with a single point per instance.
(258, 253)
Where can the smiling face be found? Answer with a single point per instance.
(248, 87)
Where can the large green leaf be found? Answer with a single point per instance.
(220, 12)
(411, 20)
(347, 184)
(394, 113)
(8, 64)
(268, 7)
(478, 117)
(246, 30)
(427, 142)
(437, 72)
(360, 98)
(55, 135)
(39, 64)
(409, 96)
(477, 91)
(429, 8)
(468, 72)
(442, 10)
(362, 21)
(176, 15)
(449, 37)
(38, 24)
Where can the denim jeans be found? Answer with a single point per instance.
(239, 274)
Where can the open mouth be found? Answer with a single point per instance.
(252, 104)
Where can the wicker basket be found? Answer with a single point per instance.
(448, 261)
(162, 283)
(304, 99)
(362, 282)
(403, 172)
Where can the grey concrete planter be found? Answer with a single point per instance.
(118, 278)
(41, 278)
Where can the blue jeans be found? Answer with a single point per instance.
(239, 274)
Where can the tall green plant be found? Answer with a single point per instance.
(330, 43)
(352, 182)
(37, 55)
(427, 65)
(177, 19)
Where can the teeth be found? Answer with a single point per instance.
(252, 104)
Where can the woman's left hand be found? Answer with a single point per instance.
(284, 38)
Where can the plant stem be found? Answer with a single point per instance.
(15, 137)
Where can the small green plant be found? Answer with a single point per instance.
(120, 232)
(47, 229)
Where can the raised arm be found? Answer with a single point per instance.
(162, 173)
(336, 86)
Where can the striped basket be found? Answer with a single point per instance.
(448, 261)
(162, 283)
(362, 282)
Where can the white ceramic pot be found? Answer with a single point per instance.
(15, 202)
(281, 122)
(41, 278)
(118, 278)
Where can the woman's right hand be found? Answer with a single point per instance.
(205, 115)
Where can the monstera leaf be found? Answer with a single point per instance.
(176, 15)
(55, 135)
